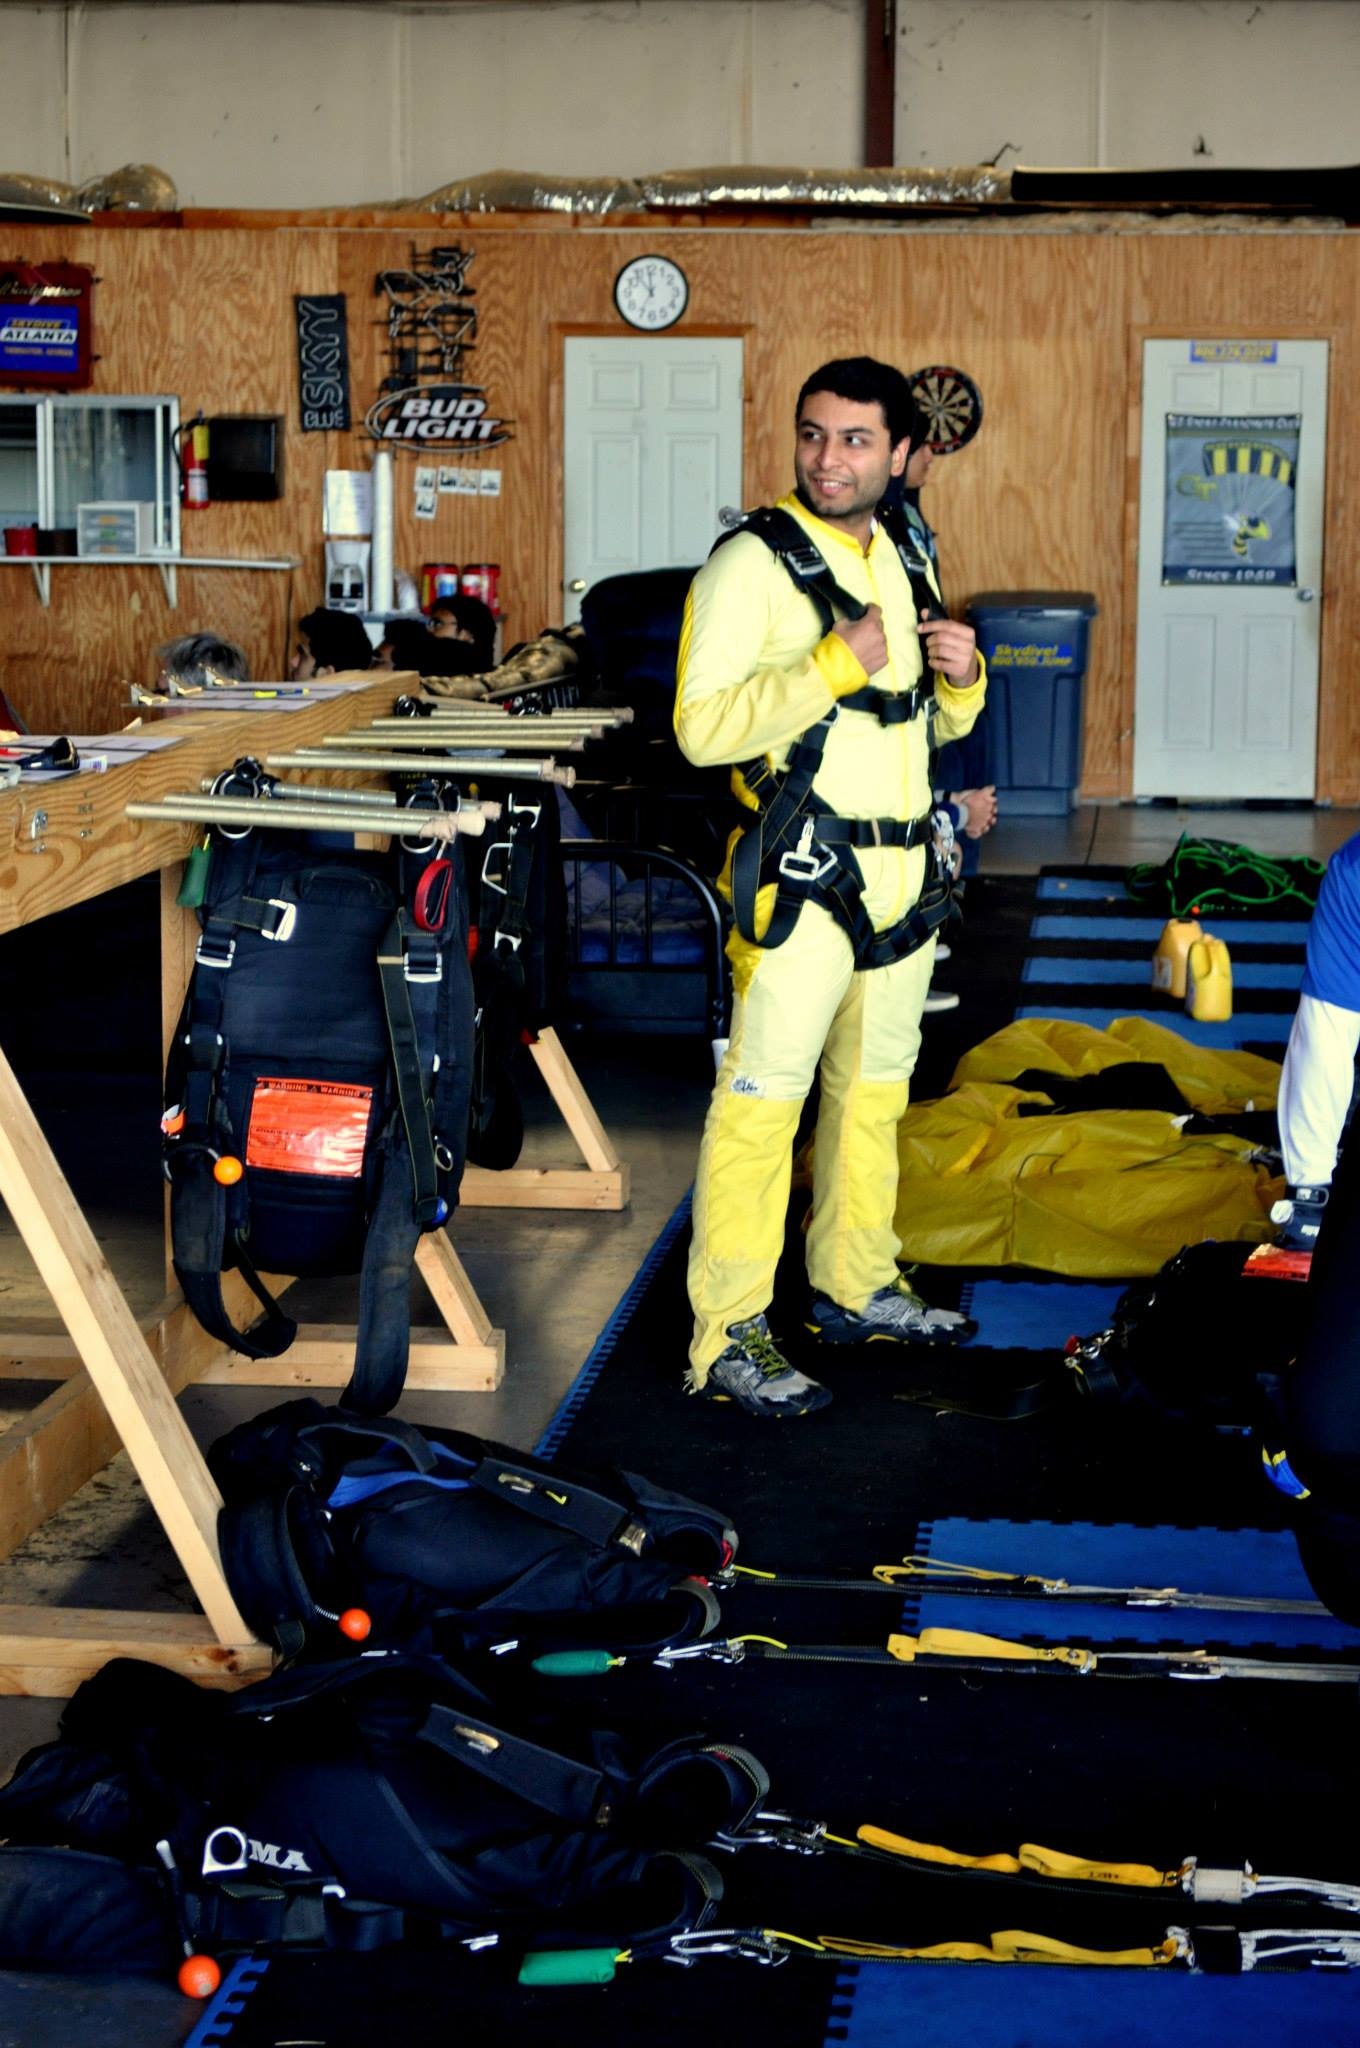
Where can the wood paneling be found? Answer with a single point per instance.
(1050, 324)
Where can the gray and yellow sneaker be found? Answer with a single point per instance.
(754, 1372)
(895, 1315)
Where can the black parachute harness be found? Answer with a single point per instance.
(342, 976)
(795, 842)
(515, 921)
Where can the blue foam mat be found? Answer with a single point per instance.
(1250, 1028)
(1080, 889)
(941, 2005)
(1264, 931)
(228, 2002)
(1032, 1315)
(1282, 974)
(1260, 1561)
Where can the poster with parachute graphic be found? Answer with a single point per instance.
(1230, 493)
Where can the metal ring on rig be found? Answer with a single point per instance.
(951, 405)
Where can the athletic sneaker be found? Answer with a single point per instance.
(754, 1372)
(895, 1315)
(938, 999)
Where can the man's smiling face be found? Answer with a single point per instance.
(844, 459)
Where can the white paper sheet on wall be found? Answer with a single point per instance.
(349, 503)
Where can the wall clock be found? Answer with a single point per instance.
(651, 292)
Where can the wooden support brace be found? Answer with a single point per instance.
(47, 1652)
(127, 1377)
(602, 1183)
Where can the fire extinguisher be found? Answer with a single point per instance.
(191, 448)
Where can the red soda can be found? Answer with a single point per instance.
(482, 579)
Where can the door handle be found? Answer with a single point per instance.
(1305, 596)
(578, 584)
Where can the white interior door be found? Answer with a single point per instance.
(1230, 568)
(651, 450)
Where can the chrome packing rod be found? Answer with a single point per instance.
(312, 792)
(434, 740)
(402, 764)
(492, 732)
(394, 823)
(487, 714)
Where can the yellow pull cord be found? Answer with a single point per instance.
(796, 1940)
(1011, 1945)
(962, 1642)
(772, 1641)
(748, 1571)
(1032, 1859)
(940, 1567)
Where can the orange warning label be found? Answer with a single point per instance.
(308, 1126)
(1273, 1262)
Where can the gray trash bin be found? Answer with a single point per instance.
(1035, 642)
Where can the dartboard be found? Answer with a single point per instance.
(952, 405)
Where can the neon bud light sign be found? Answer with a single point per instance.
(445, 414)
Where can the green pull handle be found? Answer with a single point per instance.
(569, 1966)
(195, 881)
(575, 1663)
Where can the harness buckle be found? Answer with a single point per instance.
(802, 864)
(283, 924)
(421, 962)
(215, 952)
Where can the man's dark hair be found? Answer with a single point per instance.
(868, 383)
(475, 618)
(410, 640)
(337, 639)
(204, 658)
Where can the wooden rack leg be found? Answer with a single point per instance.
(602, 1183)
(465, 1356)
(143, 1412)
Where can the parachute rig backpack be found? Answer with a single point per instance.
(349, 1807)
(317, 1086)
(441, 1541)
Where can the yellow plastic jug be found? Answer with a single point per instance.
(1173, 951)
(1208, 993)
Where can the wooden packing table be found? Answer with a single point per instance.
(62, 843)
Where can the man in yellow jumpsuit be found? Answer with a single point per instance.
(757, 669)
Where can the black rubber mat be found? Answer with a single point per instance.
(1149, 1769)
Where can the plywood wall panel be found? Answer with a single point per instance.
(1050, 325)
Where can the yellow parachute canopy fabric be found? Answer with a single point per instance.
(1101, 1194)
(1211, 1081)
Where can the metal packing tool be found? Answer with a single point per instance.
(403, 764)
(246, 812)
(434, 740)
(313, 793)
(495, 728)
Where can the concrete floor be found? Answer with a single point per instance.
(549, 1278)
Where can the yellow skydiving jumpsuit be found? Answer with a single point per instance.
(754, 672)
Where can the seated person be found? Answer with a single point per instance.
(200, 661)
(329, 643)
(469, 621)
(405, 644)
